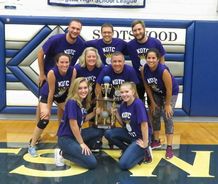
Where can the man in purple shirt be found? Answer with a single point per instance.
(107, 45)
(69, 43)
(119, 72)
(138, 47)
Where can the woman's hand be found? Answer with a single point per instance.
(42, 79)
(168, 111)
(45, 114)
(152, 107)
(85, 149)
(141, 143)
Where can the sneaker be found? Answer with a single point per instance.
(169, 152)
(32, 151)
(97, 147)
(155, 144)
(148, 155)
(59, 160)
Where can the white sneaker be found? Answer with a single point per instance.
(59, 160)
(32, 151)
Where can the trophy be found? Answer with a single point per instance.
(106, 86)
(106, 118)
(104, 115)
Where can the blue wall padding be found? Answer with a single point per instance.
(11, 53)
(179, 112)
(187, 79)
(179, 80)
(24, 110)
(11, 78)
(2, 67)
(40, 20)
(204, 99)
(30, 46)
(25, 79)
(174, 57)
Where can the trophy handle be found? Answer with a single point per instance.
(113, 117)
(96, 115)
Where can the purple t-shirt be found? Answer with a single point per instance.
(57, 44)
(91, 76)
(62, 83)
(127, 75)
(72, 111)
(132, 117)
(155, 81)
(137, 51)
(105, 50)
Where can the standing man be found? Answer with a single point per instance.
(107, 45)
(69, 43)
(138, 47)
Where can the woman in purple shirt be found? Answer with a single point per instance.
(89, 66)
(134, 135)
(75, 142)
(55, 89)
(162, 90)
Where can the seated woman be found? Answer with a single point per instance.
(74, 142)
(134, 139)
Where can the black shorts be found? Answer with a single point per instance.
(141, 93)
(61, 99)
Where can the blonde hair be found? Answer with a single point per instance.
(82, 58)
(73, 93)
(132, 86)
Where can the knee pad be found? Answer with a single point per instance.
(42, 123)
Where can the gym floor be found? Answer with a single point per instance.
(195, 161)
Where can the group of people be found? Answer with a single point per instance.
(71, 75)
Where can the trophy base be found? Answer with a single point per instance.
(103, 126)
(105, 99)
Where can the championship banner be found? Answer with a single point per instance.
(100, 3)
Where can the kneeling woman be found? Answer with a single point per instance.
(74, 142)
(133, 140)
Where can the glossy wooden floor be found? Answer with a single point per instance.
(195, 160)
(185, 132)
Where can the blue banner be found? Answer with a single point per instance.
(100, 3)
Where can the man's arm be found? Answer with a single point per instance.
(42, 76)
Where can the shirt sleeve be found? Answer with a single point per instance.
(133, 76)
(100, 77)
(48, 45)
(72, 109)
(141, 112)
